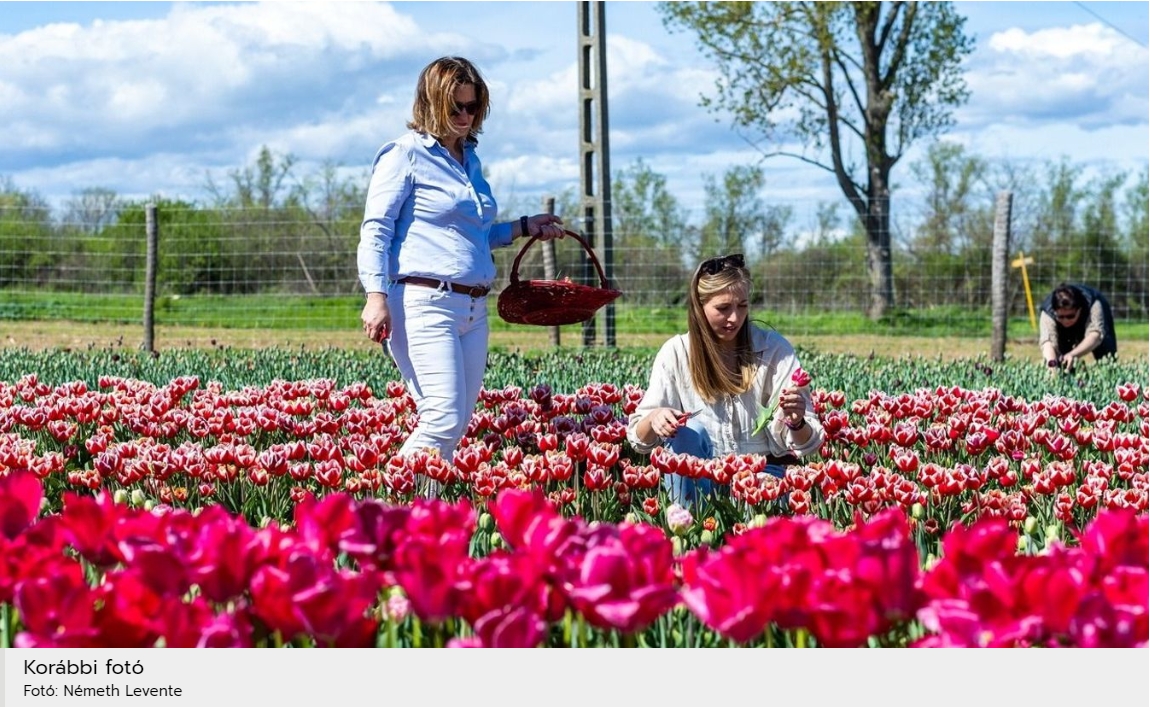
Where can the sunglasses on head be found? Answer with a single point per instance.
(714, 266)
(470, 108)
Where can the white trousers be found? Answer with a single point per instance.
(438, 341)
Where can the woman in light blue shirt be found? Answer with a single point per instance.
(424, 253)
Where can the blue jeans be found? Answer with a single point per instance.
(690, 439)
(693, 439)
(439, 344)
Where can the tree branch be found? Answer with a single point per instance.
(899, 47)
(846, 184)
(884, 33)
(859, 103)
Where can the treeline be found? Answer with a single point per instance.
(271, 230)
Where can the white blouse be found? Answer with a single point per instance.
(730, 421)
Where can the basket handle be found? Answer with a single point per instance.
(514, 277)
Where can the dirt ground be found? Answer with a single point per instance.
(83, 337)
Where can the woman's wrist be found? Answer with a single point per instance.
(796, 426)
(524, 227)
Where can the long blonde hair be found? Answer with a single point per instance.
(709, 374)
(435, 97)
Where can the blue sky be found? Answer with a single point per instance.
(157, 98)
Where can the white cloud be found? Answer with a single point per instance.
(193, 74)
(145, 106)
(1089, 75)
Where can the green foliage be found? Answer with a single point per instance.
(25, 234)
(646, 218)
(566, 371)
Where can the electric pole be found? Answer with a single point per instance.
(595, 163)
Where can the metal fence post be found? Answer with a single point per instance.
(549, 264)
(999, 268)
(152, 236)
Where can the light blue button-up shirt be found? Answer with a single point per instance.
(427, 215)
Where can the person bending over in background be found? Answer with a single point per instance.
(725, 370)
(424, 255)
(1075, 320)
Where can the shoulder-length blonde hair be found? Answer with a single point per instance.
(709, 374)
(435, 97)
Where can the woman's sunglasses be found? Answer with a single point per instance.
(470, 108)
(714, 266)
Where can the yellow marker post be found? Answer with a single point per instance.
(1021, 262)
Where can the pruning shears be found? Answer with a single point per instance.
(682, 419)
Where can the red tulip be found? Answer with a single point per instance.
(20, 497)
(58, 610)
(304, 595)
(225, 555)
(193, 624)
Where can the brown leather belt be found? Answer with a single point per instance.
(474, 292)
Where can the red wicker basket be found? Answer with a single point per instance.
(553, 302)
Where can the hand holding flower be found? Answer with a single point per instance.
(790, 399)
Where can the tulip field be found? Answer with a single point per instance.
(254, 499)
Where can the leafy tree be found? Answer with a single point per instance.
(858, 82)
(949, 250)
(643, 209)
(334, 206)
(25, 236)
(734, 212)
(194, 256)
(649, 227)
(1136, 206)
(261, 185)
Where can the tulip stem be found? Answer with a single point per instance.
(5, 626)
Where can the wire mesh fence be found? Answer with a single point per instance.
(256, 268)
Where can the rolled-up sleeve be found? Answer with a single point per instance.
(1097, 322)
(390, 186)
(1047, 330)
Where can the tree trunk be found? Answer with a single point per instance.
(878, 254)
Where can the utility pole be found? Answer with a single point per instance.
(595, 163)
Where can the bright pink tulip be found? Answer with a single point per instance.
(509, 627)
(129, 611)
(433, 556)
(624, 580)
(58, 610)
(193, 624)
(89, 523)
(304, 595)
(377, 530)
(20, 496)
(726, 590)
(225, 556)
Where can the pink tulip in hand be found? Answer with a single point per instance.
(801, 378)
